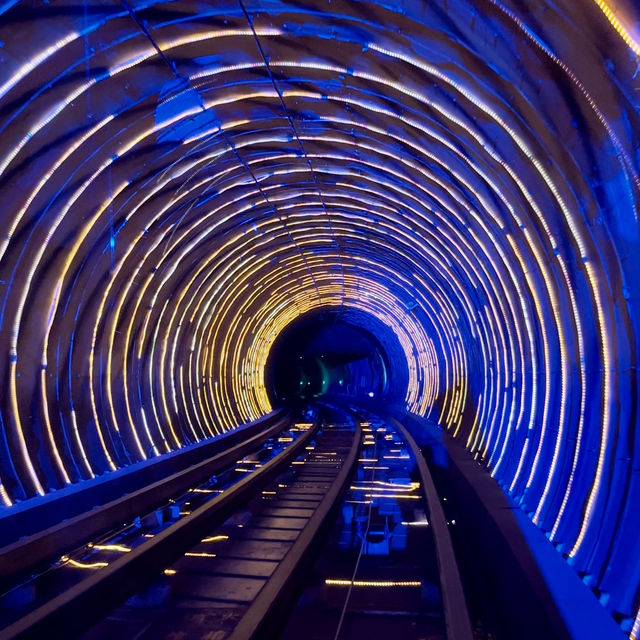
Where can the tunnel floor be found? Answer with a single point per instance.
(374, 574)
(390, 544)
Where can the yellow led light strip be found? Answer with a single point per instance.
(334, 582)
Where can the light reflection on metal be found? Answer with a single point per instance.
(77, 564)
(110, 547)
(216, 538)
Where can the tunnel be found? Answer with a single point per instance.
(336, 352)
(211, 211)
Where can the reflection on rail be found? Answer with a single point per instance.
(233, 554)
(69, 570)
(378, 574)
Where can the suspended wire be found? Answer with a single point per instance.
(294, 130)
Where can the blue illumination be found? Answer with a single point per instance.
(175, 198)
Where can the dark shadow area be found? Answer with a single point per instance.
(335, 351)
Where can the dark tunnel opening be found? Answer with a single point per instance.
(329, 352)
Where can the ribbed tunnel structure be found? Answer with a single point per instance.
(180, 181)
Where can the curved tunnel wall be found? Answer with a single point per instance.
(179, 182)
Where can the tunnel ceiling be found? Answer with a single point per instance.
(179, 181)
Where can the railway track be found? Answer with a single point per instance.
(243, 545)
(62, 598)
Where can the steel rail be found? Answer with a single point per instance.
(456, 615)
(263, 613)
(24, 555)
(74, 610)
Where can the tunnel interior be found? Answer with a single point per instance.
(439, 197)
(333, 352)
